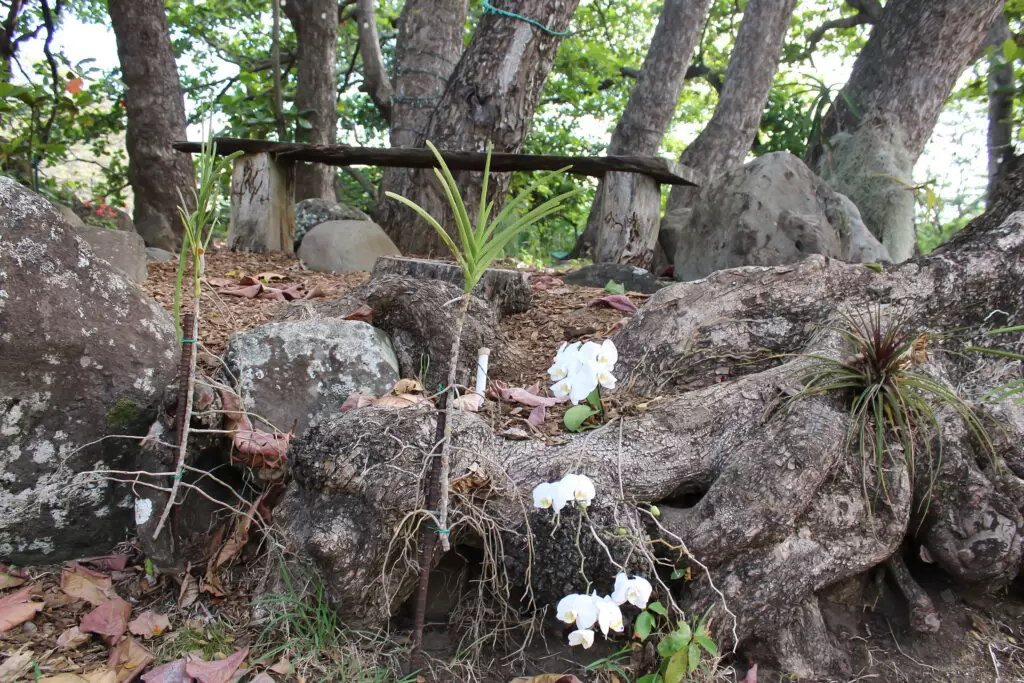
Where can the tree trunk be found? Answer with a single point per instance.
(726, 140)
(316, 28)
(491, 95)
(155, 105)
(773, 502)
(652, 104)
(375, 79)
(1000, 108)
(876, 129)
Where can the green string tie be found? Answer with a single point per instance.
(188, 341)
(440, 531)
(489, 8)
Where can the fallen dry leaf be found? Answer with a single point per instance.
(262, 449)
(548, 678)
(220, 671)
(357, 400)
(319, 291)
(619, 302)
(248, 292)
(270, 276)
(172, 672)
(149, 624)
(475, 478)
(128, 658)
(528, 397)
(401, 400)
(262, 678)
(86, 584)
(537, 416)
(189, 592)
(109, 620)
(71, 639)
(98, 676)
(364, 313)
(116, 563)
(282, 666)
(17, 665)
(751, 676)
(17, 608)
(471, 402)
(11, 578)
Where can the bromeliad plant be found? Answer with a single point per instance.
(479, 246)
(199, 225)
(887, 396)
(1014, 389)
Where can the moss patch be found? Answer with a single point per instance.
(122, 413)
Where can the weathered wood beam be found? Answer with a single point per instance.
(262, 205)
(661, 170)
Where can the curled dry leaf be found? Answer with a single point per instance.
(149, 624)
(475, 478)
(282, 666)
(86, 584)
(220, 671)
(262, 678)
(319, 291)
(269, 276)
(537, 416)
(189, 592)
(364, 314)
(261, 449)
(248, 291)
(17, 608)
(401, 400)
(98, 676)
(619, 302)
(171, 672)
(109, 620)
(528, 397)
(407, 386)
(71, 639)
(128, 658)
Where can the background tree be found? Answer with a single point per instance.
(153, 98)
(316, 27)
(888, 108)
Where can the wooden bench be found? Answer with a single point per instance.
(263, 183)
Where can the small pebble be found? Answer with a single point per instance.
(29, 627)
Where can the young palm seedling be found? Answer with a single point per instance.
(888, 397)
(478, 247)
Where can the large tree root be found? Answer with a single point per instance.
(776, 509)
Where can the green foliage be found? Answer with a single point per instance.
(1014, 389)
(892, 406)
(482, 244)
(682, 645)
(201, 221)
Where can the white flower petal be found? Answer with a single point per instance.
(563, 493)
(621, 584)
(581, 383)
(606, 379)
(562, 389)
(607, 355)
(609, 616)
(584, 637)
(638, 591)
(581, 488)
(566, 610)
(586, 612)
(544, 495)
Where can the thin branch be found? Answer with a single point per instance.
(375, 78)
(868, 12)
(275, 71)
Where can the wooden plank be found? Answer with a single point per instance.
(662, 170)
(262, 205)
(630, 213)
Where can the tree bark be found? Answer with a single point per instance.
(155, 105)
(726, 140)
(887, 110)
(1000, 109)
(491, 95)
(316, 28)
(375, 78)
(649, 111)
(773, 502)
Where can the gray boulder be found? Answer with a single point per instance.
(159, 255)
(310, 213)
(69, 216)
(672, 228)
(772, 211)
(124, 250)
(345, 246)
(84, 355)
(298, 372)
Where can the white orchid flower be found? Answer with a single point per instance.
(544, 495)
(584, 637)
(581, 383)
(578, 609)
(579, 488)
(606, 356)
(564, 360)
(636, 591)
(609, 616)
(606, 379)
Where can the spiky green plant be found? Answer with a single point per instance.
(1014, 389)
(890, 402)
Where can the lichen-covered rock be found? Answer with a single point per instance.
(297, 372)
(345, 246)
(124, 250)
(83, 355)
(632, 278)
(770, 212)
(310, 213)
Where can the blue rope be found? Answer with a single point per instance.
(489, 8)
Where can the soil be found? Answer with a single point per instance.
(981, 636)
